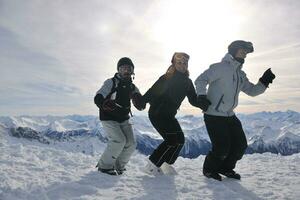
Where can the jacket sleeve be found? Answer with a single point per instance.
(102, 93)
(191, 94)
(156, 90)
(136, 90)
(250, 88)
(105, 88)
(208, 76)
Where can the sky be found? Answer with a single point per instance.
(55, 55)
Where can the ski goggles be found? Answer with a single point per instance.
(126, 68)
(181, 58)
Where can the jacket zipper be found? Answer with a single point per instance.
(220, 101)
(237, 86)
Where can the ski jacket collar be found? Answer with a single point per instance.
(119, 78)
(231, 61)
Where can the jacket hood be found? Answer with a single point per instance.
(228, 58)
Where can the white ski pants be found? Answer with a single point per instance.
(121, 144)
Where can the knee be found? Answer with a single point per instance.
(175, 139)
(130, 144)
(181, 140)
(221, 156)
(120, 140)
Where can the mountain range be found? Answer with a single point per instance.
(275, 132)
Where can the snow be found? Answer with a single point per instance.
(150, 134)
(32, 170)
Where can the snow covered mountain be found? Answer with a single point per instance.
(277, 132)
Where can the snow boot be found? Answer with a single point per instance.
(112, 172)
(121, 171)
(168, 169)
(213, 175)
(230, 174)
(152, 169)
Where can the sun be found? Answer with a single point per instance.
(196, 27)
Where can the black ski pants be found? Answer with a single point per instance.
(170, 130)
(228, 143)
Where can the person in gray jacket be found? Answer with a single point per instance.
(113, 101)
(225, 80)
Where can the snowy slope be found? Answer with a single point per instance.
(36, 171)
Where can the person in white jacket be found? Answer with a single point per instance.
(225, 80)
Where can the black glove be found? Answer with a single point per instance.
(138, 101)
(109, 105)
(203, 102)
(98, 100)
(267, 77)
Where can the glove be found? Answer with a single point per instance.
(203, 102)
(109, 105)
(267, 77)
(138, 101)
(98, 100)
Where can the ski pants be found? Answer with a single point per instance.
(228, 143)
(170, 130)
(121, 144)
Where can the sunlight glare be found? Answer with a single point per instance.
(197, 27)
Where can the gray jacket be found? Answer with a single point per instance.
(225, 79)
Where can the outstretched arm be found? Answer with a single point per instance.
(192, 96)
(137, 99)
(252, 89)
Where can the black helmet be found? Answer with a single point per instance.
(125, 61)
(240, 44)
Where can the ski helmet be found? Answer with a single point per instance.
(124, 61)
(240, 44)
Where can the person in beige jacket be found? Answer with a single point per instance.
(225, 80)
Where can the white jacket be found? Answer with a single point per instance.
(225, 79)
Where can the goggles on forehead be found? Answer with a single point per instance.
(180, 57)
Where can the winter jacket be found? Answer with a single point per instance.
(119, 90)
(166, 95)
(225, 79)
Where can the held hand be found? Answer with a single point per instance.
(267, 77)
(109, 105)
(203, 102)
(138, 101)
